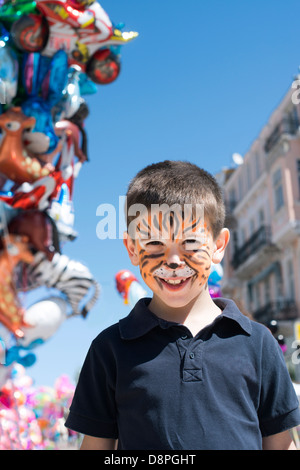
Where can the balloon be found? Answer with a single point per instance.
(44, 79)
(11, 11)
(7, 213)
(11, 312)
(32, 418)
(129, 287)
(135, 293)
(83, 30)
(9, 70)
(214, 291)
(216, 273)
(14, 354)
(42, 118)
(21, 168)
(44, 318)
(62, 211)
(40, 230)
(71, 95)
(72, 278)
(87, 87)
(104, 67)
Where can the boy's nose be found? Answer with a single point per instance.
(173, 259)
(173, 265)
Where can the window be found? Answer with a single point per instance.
(278, 190)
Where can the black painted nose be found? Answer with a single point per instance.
(173, 265)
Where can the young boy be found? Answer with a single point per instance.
(182, 371)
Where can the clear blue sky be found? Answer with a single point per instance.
(198, 84)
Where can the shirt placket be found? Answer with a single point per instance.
(191, 354)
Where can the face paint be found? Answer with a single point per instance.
(178, 263)
(174, 272)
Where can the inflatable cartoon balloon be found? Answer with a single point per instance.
(21, 168)
(82, 28)
(16, 249)
(129, 287)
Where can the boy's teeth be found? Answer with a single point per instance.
(173, 281)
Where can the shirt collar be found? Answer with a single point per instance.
(230, 310)
(141, 320)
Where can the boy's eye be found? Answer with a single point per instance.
(154, 243)
(191, 244)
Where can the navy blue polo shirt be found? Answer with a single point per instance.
(152, 385)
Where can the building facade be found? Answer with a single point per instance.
(262, 262)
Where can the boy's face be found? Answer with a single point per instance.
(174, 253)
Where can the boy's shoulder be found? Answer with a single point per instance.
(257, 331)
(134, 325)
(108, 335)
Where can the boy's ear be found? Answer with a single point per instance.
(131, 249)
(220, 246)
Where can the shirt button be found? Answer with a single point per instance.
(192, 355)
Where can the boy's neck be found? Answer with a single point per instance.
(196, 315)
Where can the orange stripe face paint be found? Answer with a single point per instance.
(175, 249)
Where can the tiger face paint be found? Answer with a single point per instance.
(174, 251)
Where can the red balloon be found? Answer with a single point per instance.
(123, 279)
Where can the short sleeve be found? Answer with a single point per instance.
(93, 409)
(279, 407)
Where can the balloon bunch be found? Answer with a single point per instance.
(32, 418)
(52, 54)
(214, 279)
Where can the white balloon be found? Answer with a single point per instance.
(135, 293)
(44, 318)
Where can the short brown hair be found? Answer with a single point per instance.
(178, 182)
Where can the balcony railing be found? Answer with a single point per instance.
(259, 239)
(283, 309)
(288, 125)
